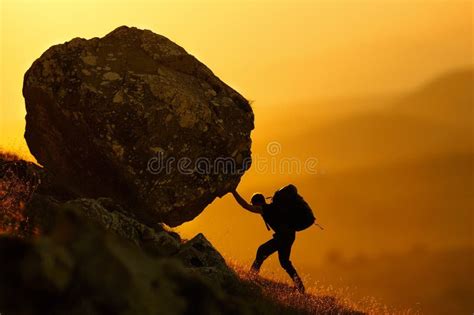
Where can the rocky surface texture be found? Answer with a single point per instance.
(78, 268)
(99, 110)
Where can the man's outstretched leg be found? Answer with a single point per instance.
(265, 250)
(285, 242)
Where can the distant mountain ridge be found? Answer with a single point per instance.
(448, 98)
(432, 120)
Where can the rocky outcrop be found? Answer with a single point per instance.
(202, 258)
(105, 115)
(80, 269)
(197, 254)
(92, 257)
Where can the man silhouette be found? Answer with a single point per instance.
(282, 240)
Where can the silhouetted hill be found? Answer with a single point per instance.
(447, 99)
(436, 118)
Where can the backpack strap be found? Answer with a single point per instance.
(266, 224)
(264, 220)
(318, 225)
(263, 216)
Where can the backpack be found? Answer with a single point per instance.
(289, 207)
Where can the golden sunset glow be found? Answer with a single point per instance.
(318, 73)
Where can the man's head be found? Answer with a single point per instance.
(258, 199)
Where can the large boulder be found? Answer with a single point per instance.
(104, 114)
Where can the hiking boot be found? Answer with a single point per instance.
(299, 284)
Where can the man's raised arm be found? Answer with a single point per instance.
(244, 204)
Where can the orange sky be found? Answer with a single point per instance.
(283, 52)
(278, 53)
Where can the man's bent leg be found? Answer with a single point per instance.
(284, 250)
(265, 250)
